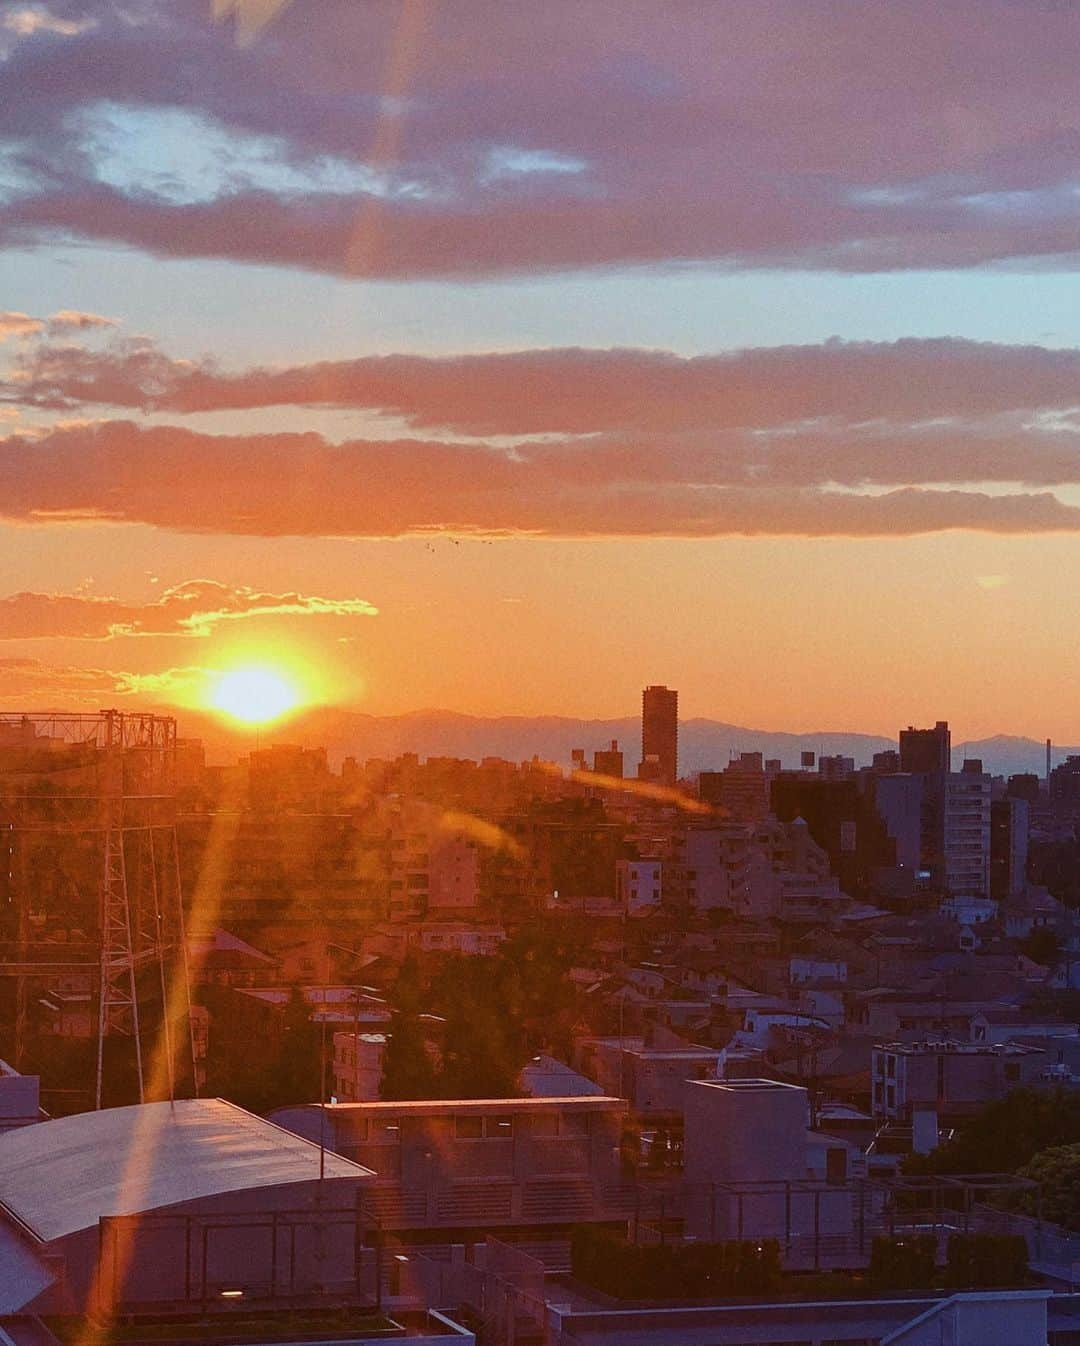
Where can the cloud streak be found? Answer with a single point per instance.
(18, 325)
(194, 609)
(274, 485)
(26, 682)
(582, 391)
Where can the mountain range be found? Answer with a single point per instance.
(703, 744)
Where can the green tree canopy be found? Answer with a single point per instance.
(1006, 1134)
(1057, 1170)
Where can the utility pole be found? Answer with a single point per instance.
(322, 1099)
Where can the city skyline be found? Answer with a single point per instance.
(538, 797)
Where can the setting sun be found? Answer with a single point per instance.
(254, 695)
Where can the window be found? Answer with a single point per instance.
(469, 1128)
(499, 1128)
(574, 1124)
(545, 1124)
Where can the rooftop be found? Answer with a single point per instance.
(435, 1107)
(749, 1086)
(61, 1176)
(947, 1046)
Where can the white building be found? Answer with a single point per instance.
(638, 884)
(358, 1062)
(967, 831)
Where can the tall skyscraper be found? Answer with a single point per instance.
(659, 735)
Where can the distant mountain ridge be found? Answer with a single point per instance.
(704, 744)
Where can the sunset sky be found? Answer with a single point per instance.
(505, 356)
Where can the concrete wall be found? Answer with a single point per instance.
(301, 1235)
(744, 1131)
(19, 1099)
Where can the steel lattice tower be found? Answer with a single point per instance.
(122, 816)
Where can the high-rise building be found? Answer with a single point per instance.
(966, 831)
(927, 754)
(1024, 785)
(609, 762)
(1065, 780)
(926, 750)
(898, 799)
(741, 790)
(1009, 824)
(659, 735)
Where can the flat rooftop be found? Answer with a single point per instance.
(748, 1086)
(435, 1107)
(947, 1047)
(836, 1321)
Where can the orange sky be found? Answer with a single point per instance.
(507, 362)
(786, 634)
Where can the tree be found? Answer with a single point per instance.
(902, 1263)
(1057, 1170)
(407, 1070)
(481, 1058)
(1042, 946)
(299, 1063)
(286, 1068)
(1006, 1134)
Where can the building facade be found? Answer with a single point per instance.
(659, 735)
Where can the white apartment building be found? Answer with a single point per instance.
(638, 884)
(967, 832)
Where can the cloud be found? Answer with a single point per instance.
(194, 609)
(18, 324)
(286, 484)
(495, 436)
(72, 320)
(33, 19)
(25, 682)
(485, 140)
(32, 683)
(586, 391)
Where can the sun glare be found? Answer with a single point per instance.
(254, 695)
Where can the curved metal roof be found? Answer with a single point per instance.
(60, 1176)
